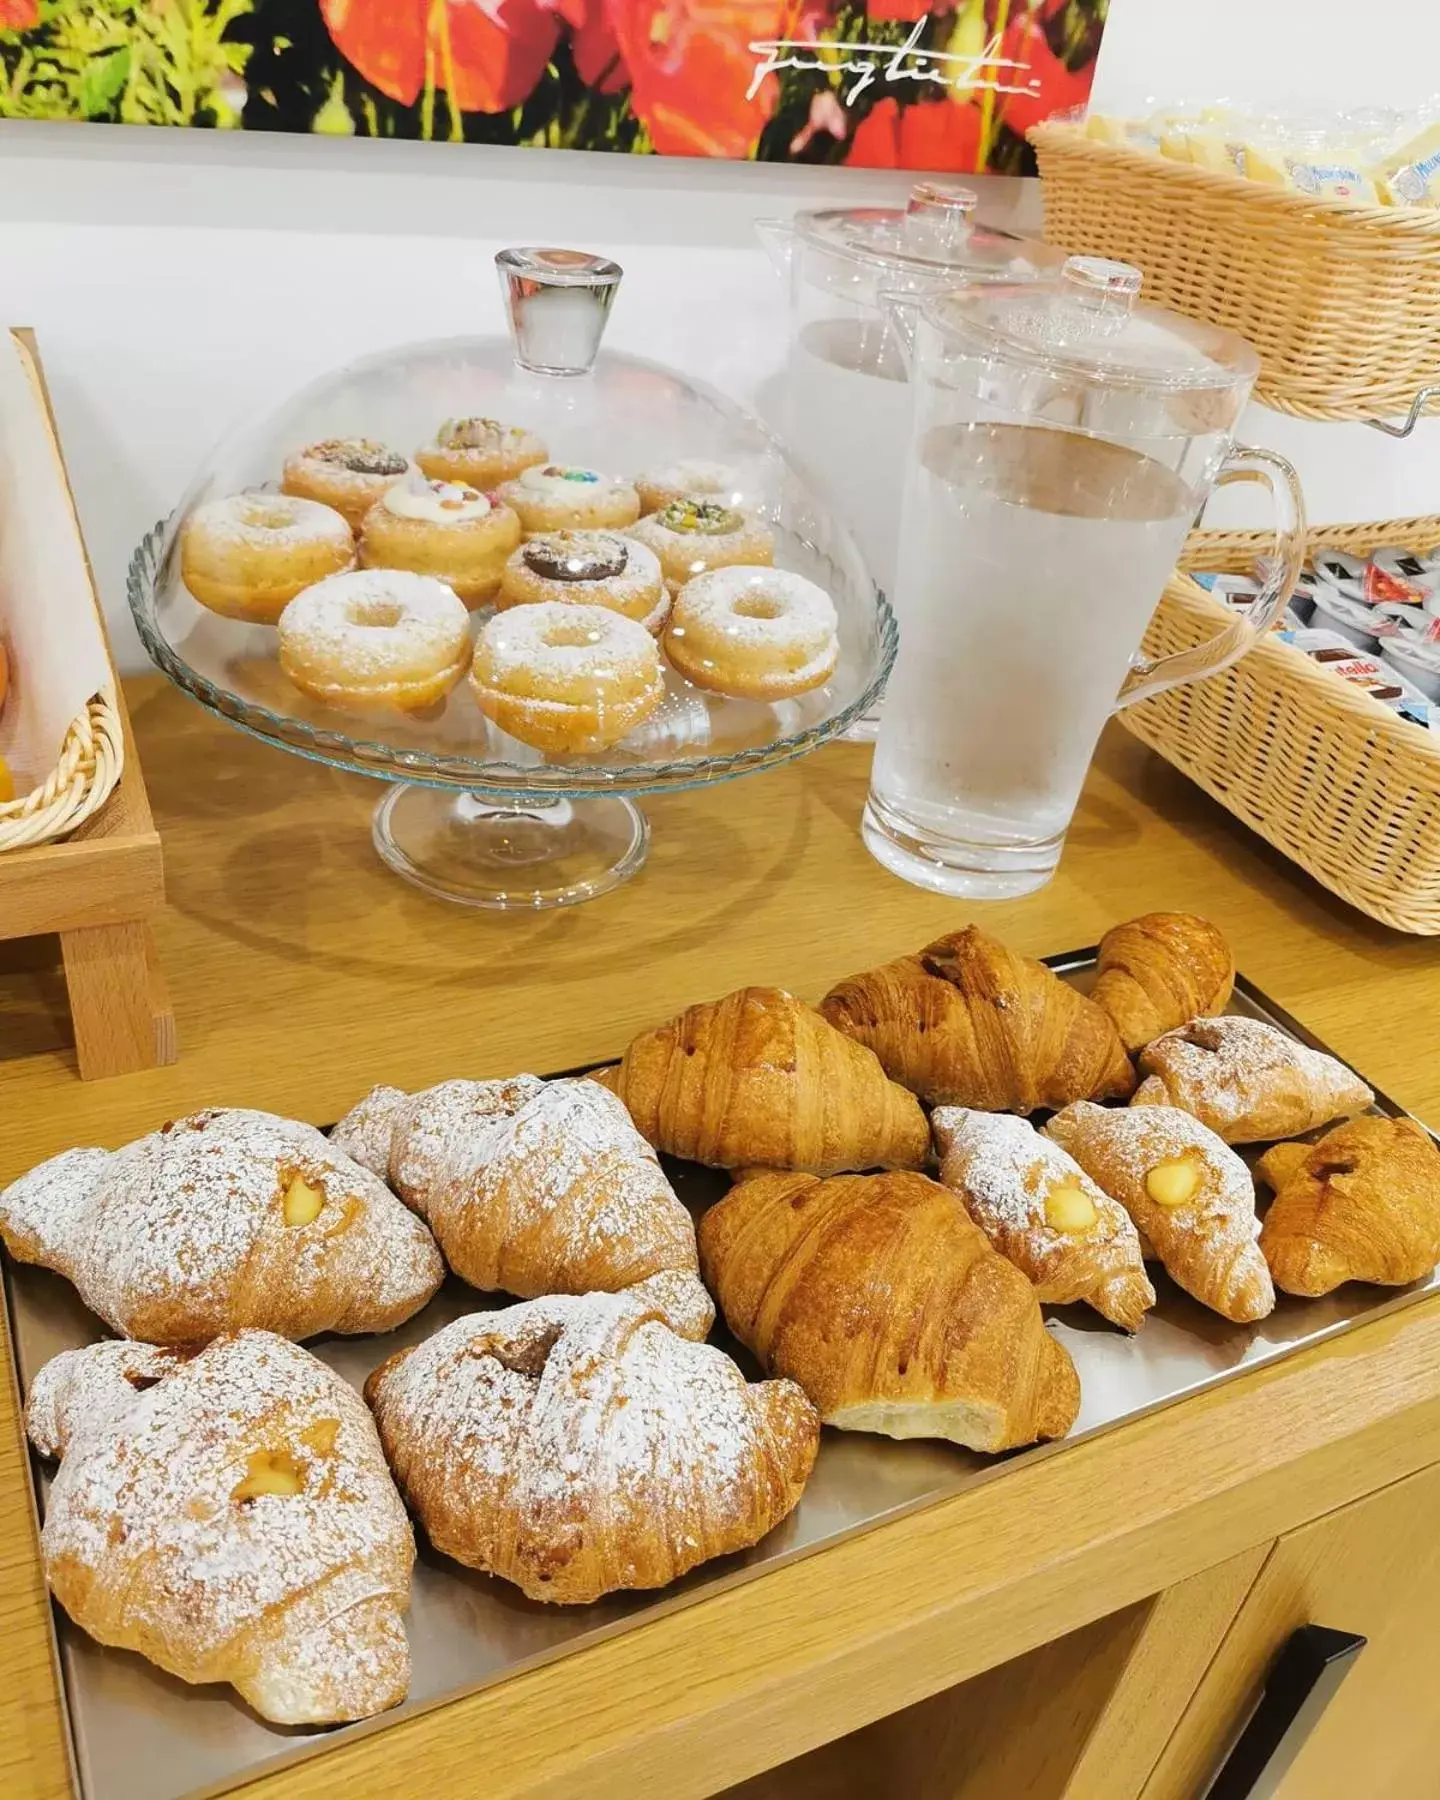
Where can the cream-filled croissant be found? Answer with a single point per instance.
(1248, 1081)
(535, 1187)
(1188, 1192)
(577, 1445)
(222, 1220)
(1042, 1211)
(889, 1307)
(228, 1514)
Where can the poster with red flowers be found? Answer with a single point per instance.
(880, 84)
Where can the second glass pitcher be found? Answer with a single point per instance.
(1063, 442)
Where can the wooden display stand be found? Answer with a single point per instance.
(99, 890)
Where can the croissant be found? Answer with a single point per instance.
(889, 1307)
(575, 1446)
(228, 1513)
(969, 1023)
(1188, 1192)
(1363, 1204)
(223, 1220)
(759, 1079)
(1160, 971)
(1043, 1212)
(535, 1187)
(1248, 1081)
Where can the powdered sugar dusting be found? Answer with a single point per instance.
(576, 1446)
(384, 625)
(526, 1181)
(1134, 1139)
(270, 520)
(555, 643)
(1231, 1068)
(295, 1598)
(181, 1235)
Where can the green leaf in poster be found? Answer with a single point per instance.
(103, 81)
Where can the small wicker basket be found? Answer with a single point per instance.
(1341, 300)
(91, 760)
(1343, 786)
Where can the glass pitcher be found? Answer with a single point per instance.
(846, 406)
(1064, 440)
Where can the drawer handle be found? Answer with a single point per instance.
(1299, 1687)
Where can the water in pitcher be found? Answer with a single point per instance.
(1030, 562)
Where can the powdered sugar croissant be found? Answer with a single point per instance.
(229, 1515)
(577, 1445)
(536, 1187)
(221, 1220)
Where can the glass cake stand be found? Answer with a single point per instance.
(473, 815)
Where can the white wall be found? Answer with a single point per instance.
(179, 280)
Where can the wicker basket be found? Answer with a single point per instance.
(1346, 789)
(1236, 552)
(1341, 300)
(91, 760)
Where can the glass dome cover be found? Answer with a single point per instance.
(617, 414)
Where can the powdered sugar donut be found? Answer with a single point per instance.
(376, 637)
(587, 568)
(482, 452)
(573, 679)
(691, 536)
(349, 474)
(249, 555)
(559, 497)
(689, 479)
(762, 634)
(441, 528)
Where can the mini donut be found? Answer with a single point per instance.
(376, 637)
(480, 452)
(559, 497)
(349, 474)
(761, 634)
(571, 679)
(441, 528)
(690, 536)
(249, 555)
(587, 568)
(690, 479)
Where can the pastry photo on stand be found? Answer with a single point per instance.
(480, 452)
(441, 528)
(230, 1516)
(692, 536)
(224, 1219)
(576, 1446)
(890, 1308)
(692, 478)
(586, 568)
(760, 634)
(564, 497)
(348, 474)
(376, 640)
(247, 556)
(535, 1187)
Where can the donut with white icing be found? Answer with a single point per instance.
(249, 555)
(350, 474)
(760, 634)
(691, 536)
(587, 568)
(691, 478)
(564, 497)
(567, 679)
(376, 638)
(480, 452)
(441, 528)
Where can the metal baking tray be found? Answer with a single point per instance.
(138, 1734)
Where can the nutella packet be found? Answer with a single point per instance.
(1335, 654)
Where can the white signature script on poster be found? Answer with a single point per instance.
(892, 63)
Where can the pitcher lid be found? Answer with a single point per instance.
(934, 237)
(1092, 324)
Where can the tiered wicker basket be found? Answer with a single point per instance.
(1341, 300)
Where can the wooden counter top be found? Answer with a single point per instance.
(302, 972)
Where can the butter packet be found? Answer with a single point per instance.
(1410, 176)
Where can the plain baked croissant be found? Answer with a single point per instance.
(1162, 970)
(1247, 1080)
(535, 1187)
(969, 1023)
(1189, 1194)
(228, 1513)
(760, 1080)
(1042, 1211)
(1362, 1204)
(577, 1445)
(221, 1220)
(889, 1307)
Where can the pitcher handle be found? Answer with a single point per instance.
(1244, 463)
